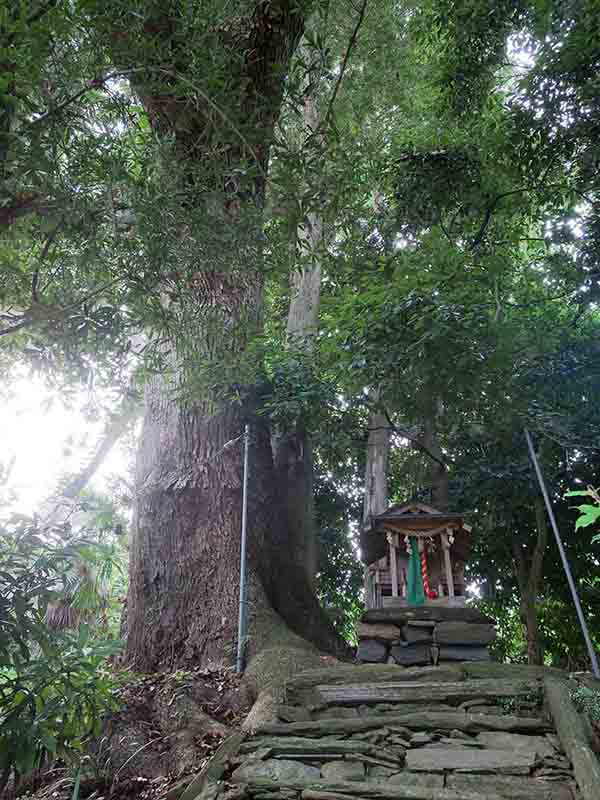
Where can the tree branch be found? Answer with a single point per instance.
(490, 210)
(351, 43)
(520, 567)
(416, 441)
(115, 428)
(39, 312)
(22, 324)
(27, 204)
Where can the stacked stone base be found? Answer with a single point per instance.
(419, 635)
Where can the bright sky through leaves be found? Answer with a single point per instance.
(47, 442)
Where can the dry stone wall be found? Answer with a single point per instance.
(417, 636)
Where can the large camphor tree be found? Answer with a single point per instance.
(151, 192)
(202, 85)
(216, 105)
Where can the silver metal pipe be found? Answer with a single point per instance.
(242, 616)
(563, 555)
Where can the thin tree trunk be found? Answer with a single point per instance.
(293, 449)
(439, 472)
(529, 580)
(530, 616)
(376, 469)
(60, 506)
(116, 426)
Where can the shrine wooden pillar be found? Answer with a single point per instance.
(391, 537)
(448, 563)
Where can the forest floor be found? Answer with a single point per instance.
(167, 728)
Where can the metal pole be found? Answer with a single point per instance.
(242, 617)
(563, 555)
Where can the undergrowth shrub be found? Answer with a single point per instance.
(587, 700)
(55, 685)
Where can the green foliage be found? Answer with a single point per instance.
(589, 513)
(51, 703)
(339, 575)
(510, 645)
(55, 686)
(587, 701)
(560, 631)
(513, 705)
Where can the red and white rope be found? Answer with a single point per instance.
(424, 573)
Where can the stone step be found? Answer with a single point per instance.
(404, 692)
(318, 748)
(436, 759)
(427, 720)
(298, 688)
(509, 787)
(376, 738)
(344, 779)
(516, 741)
(314, 789)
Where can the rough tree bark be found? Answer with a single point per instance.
(376, 468)
(529, 579)
(293, 449)
(184, 570)
(439, 471)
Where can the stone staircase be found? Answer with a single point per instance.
(454, 732)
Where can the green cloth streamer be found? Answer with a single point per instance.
(415, 592)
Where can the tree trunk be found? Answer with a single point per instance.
(376, 469)
(439, 472)
(529, 615)
(293, 457)
(293, 449)
(185, 547)
(529, 580)
(185, 550)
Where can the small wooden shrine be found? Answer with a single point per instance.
(416, 612)
(415, 555)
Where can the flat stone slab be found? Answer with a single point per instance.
(463, 653)
(324, 747)
(336, 712)
(418, 779)
(377, 773)
(299, 686)
(420, 738)
(411, 633)
(498, 740)
(407, 692)
(509, 787)
(276, 769)
(463, 633)
(418, 721)
(385, 632)
(435, 759)
(293, 713)
(343, 770)
(372, 651)
(411, 655)
(400, 615)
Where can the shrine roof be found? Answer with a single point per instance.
(420, 519)
(415, 511)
